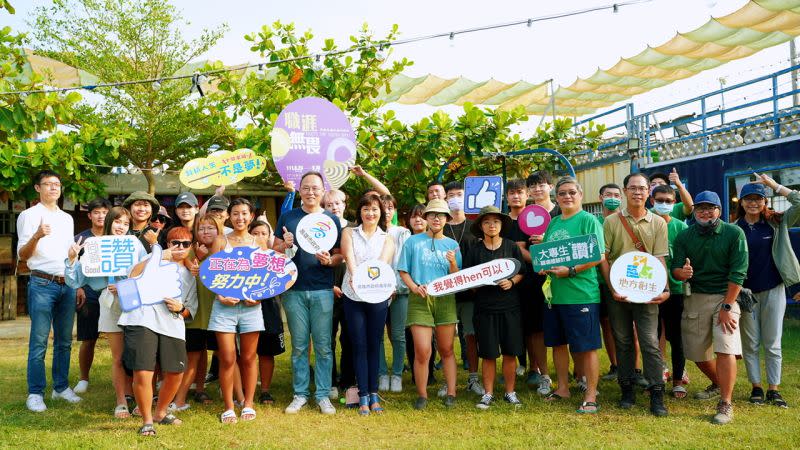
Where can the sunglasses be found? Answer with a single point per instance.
(162, 219)
(184, 244)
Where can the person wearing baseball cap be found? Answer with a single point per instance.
(185, 213)
(144, 208)
(712, 256)
(772, 266)
(217, 207)
(426, 257)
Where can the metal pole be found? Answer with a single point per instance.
(793, 57)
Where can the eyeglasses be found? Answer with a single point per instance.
(704, 208)
(567, 193)
(50, 185)
(308, 189)
(440, 216)
(184, 244)
(637, 188)
(750, 199)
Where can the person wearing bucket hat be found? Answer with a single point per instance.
(772, 266)
(712, 256)
(143, 207)
(497, 308)
(425, 257)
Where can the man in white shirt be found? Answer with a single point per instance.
(45, 235)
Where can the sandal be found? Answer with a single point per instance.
(169, 419)
(247, 414)
(121, 412)
(363, 405)
(374, 400)
(265, 398)
(588, 408)
(202, 397)
(553, 397)
(228, 416)
(679, 392)
(757, 396)
(147, 430)
(174, 407)
(136, 411)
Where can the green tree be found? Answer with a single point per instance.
(120, 40)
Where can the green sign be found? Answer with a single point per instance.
(566, 252)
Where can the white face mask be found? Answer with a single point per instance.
(456, 203)
(662, 209)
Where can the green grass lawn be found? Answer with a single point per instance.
(90, 424)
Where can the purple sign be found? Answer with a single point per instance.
(248, 273)
(312, 134)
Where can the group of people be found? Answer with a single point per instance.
(159, 351)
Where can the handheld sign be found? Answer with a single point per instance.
(313, 134)
(316, 233)
(109, 256)
(482, 191)
(374, 281)
(639, 276)
(248, 273)
(566, 252)
(222, 168)
(533, 219)
(486, 274)
(159, 279)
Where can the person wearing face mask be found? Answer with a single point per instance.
(681, 210)
(713, 257)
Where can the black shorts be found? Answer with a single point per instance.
(531, 299)
(605, 298)
(144, 347)
(270, 344)
(198, 340)
(88, 316)
(498, 333)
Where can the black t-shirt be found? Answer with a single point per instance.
(492, 299)
(531, 285)
(462, 233)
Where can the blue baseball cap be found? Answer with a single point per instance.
(753, 188)
(708, 197)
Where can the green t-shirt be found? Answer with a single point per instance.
(673, 228)
(583, 288)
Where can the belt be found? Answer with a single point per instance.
(54, 278)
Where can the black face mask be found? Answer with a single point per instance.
(707, 228)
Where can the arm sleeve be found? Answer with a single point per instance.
(597, 230)
(606, 232)
(73, 274)
(24, 229)
(739, 258)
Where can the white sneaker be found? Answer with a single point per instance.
(67, 394)
(521, 371)
(333, 394)
(475, 386)
(383, 383)
(325, 407)
(396, 384)
(545, 385)
(81, 387)
(35, 403)
(442, 391)
(297, 404)
(485, 403)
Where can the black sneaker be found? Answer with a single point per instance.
(611, 375)
(774, 397)
(628, 397)
(449, 401)
(757, 396)
(421, 403)
(265, 398)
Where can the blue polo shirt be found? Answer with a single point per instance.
(311, 275)
(762, 273)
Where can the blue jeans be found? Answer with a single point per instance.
(366, 322)
(49, 303)
(309, 315)
(397, 336)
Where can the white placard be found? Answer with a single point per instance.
(639, 276)
(316, 233)
(109, 256)
(374, 281)
(486, 274)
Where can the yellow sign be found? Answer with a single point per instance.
(222, 168)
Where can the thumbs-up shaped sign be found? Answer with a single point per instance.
(484, 197)
(159, 279)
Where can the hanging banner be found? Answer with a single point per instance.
(222, 168)
(313, 134)
(316, 233)
(109, 256)
(533, 219)
(565, 252)
(248, 273)
(374, 281)
(639, 276)
(485, 274)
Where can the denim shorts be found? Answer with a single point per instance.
(238, 318)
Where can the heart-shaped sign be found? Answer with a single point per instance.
(534, 220)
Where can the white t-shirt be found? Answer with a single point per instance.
(364, 249)
(51, 250)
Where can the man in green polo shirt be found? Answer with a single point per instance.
(710, 322)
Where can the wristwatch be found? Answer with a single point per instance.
(572, 272)
(726, 306)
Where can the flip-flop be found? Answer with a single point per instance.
(553, 397)
(169, 419)
(247, 414)
(147, 430)
(228, 416)
(202, 397)
(583, 408)
(679, 392)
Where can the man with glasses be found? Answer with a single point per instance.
(683, 209)
(45, 236)
(623, 231)
(710, 324)
(309, 303)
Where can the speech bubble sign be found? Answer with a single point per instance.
(313, 134)
(222, 168)
(533, 219)
(159, 279)
(374, 281)
(109, 256)
(639, 276)
(248, 273)
(482, 191)
(486, 274)
(565, 252)
(316, 233)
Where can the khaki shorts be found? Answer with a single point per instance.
(431, 311)
(702, 334)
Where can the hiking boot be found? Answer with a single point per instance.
(511, 398)
(420, 403)
(485, 403)
(724, 413)
(611, 375)
(657, 401)
(774, 397)
(708, 393)
(628, 397)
